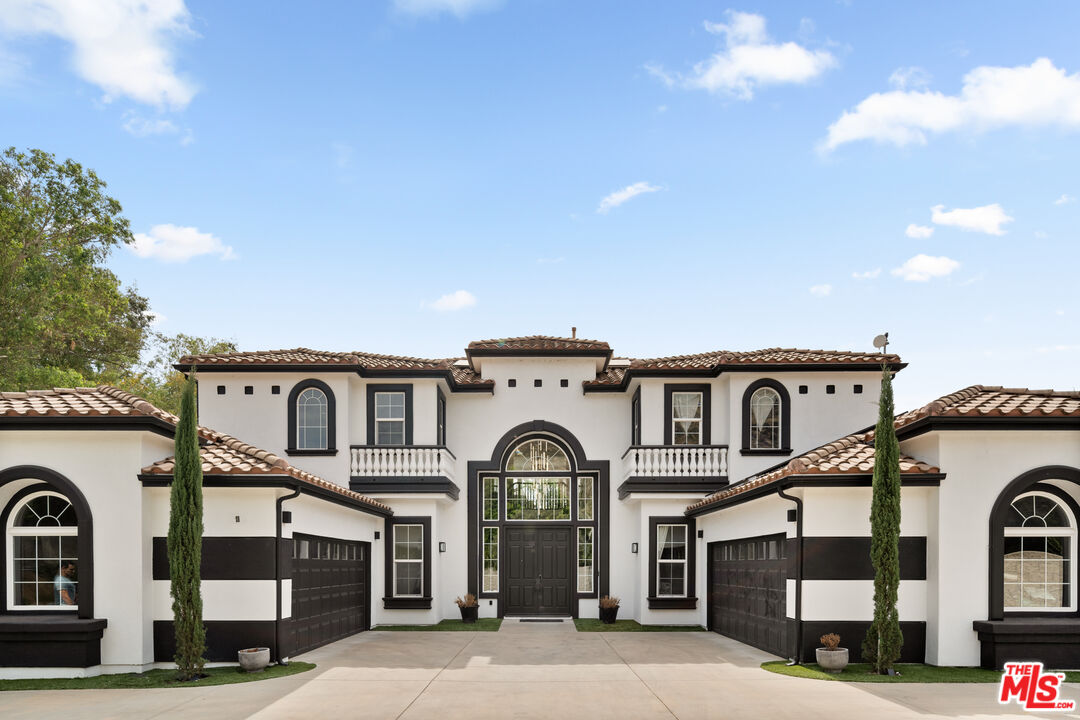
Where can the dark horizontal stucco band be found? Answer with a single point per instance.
(225, 558)
(33, 641)
(848, 558)
(852, 634)
(223, 638)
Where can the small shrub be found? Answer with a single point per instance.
(608, 602)
(469, 601)
(830, 641)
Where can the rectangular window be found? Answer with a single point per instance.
(491, 559)
(440, 420)
(408, 561)
(671, 560)
(635, 418)
(389, 418)
(585, 560)
(686, 418)
(491, 498)
(585, 498)
(539, 498)
(1037, 572)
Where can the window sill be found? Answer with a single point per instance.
(411, 603)
(781, 452)
(298, 452)
(672, 603)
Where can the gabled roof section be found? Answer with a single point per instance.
(993, 405)
(713, 363)
(848, 456)
(538, 346)
(221, 454)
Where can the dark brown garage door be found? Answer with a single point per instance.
(748, 591)
(330, 580)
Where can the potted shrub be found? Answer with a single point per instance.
(254, 659)
(469, 608)
(609, 609)
(832, 658)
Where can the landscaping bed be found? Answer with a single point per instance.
(909, 673)
(594, 625)
(157, 679)
(481, 625)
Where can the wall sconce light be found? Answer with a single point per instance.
(286, 517)
(237, 518)
(633, 548)
(376, 534)
(700, 534)
(442, 547)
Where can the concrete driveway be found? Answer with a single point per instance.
(542, 670)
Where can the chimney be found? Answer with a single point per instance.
(573, 333)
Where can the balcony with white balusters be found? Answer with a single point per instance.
(674, 468)
(402, 469)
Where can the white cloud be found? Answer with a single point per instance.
(458, 300)
(461, 8)
(125, 47)
(867, 275)
(821, 290)
(918, 231)
(1065, 199)
(985, 219)
(1033, 95)
(909, 77)
(749, 60)
(174, 243)
(618, 197)
(139, 126)
(923, 267)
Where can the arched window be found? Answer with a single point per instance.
(765, 419)
(1039, 554)
(42, 537)
(311, 419)
(539, 456)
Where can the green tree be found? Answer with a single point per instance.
(155, 379)
(883, 640)
(185, 541)
(64, 317)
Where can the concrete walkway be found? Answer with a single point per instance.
(529, 670)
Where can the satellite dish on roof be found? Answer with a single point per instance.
(882, 341)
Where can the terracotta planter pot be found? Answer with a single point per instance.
(469, 614)
(832, 660)
(608, 615)
(254, 659)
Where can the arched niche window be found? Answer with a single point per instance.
(42, 540)
(766, 419)
(1039, 554)
(311, 419)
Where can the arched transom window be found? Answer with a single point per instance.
(538, 456)
(1040, 555)
(42, 536)
(311, 420)
(765, 419)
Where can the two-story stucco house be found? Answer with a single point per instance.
(728, 489)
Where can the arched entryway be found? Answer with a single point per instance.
(538, 518)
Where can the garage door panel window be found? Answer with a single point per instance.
(671, 561)
(408, 560)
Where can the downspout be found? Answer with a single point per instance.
(277, 572)
(797, 657)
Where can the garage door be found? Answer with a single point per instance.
(330, 580)
(747, 591)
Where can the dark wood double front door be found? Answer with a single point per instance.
(537, 576)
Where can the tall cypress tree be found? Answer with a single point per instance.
(883, 640)
(185, 541)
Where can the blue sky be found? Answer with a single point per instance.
(404, 176)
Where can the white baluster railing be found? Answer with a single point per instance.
(400, 461)
(675, 461)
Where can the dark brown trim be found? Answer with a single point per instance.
(785, 418)
(382, 485)
(674, 603)
(706, 409)
(224, 558)
(848, 558)
(373, 388)
(851, 634)
(1053, 641)
(1031, 480)
(717, 370)
(933, 424)
(635, 418)
(224, 638)
(89, 422)
(331, 419)
(671, 485)
(397, 603)
(45, 641)
(51, 480)
(440, 417)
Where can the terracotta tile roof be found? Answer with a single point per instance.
(544, 343)
(984, 401)
(851, 455)
(296, 356)
(221, 453)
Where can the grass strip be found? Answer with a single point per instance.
(909, 673)
(594, 625)
(450, 625)
(157, 679)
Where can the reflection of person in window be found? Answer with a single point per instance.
(63, 585)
